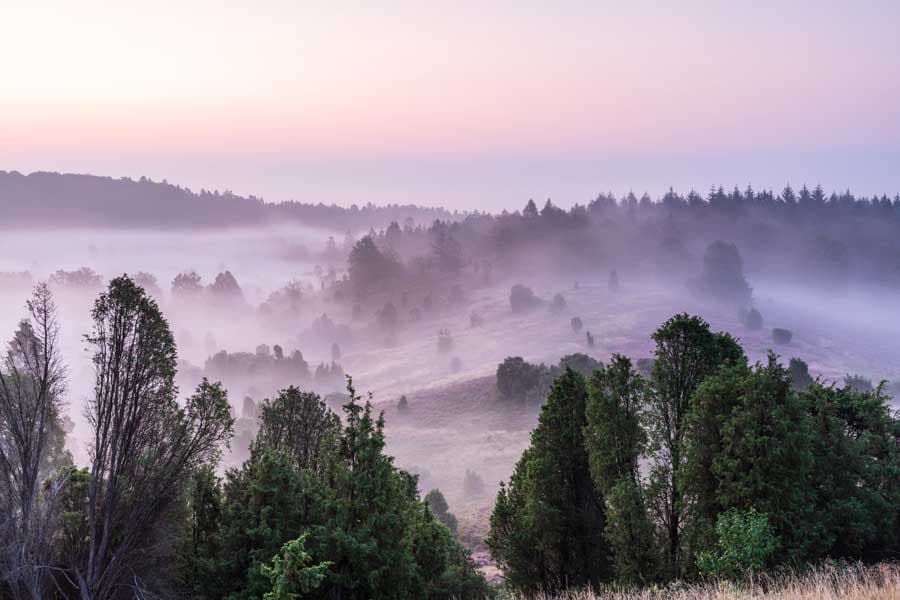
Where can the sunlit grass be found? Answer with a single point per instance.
(829, 582)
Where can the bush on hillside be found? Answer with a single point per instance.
(522, 298)
(750, 318)
(516, 377)
(782, 336)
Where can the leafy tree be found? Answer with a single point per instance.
(578, 362)
(32, 448)
(85, 279)
(134, 415)
(149, 282)
(369, 268)
(516, 377)
(547, 526)
(225, 287)
(301, 426)
(686, 353)
(187, 284)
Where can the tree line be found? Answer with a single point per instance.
(64, 199)
(819, 234)
(317, 509)
(709, 466)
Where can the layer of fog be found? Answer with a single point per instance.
(850, 332)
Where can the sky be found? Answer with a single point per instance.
(471, 105)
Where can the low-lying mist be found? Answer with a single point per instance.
(270, 308)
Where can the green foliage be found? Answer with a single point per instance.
(631, 535)
(291, 574)
(749, 445)
(301, 426)
(614, 436)
(197, 565)
(856, 445)
(745, 543)
(266, 504)
(516, 378)
(686, 353)
(578, 362)
(614, 439)
(547, 525)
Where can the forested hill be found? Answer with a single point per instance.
(45, 199)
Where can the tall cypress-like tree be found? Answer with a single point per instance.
(686, 353)
(547, 526)
(615, 439)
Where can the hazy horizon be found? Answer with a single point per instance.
(463, 105)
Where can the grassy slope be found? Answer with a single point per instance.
(880, 582)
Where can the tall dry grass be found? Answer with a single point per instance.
(828, 582)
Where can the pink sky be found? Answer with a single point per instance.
(466, 104)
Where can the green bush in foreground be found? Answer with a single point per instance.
(745, 544)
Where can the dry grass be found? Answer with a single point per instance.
(833, 582)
